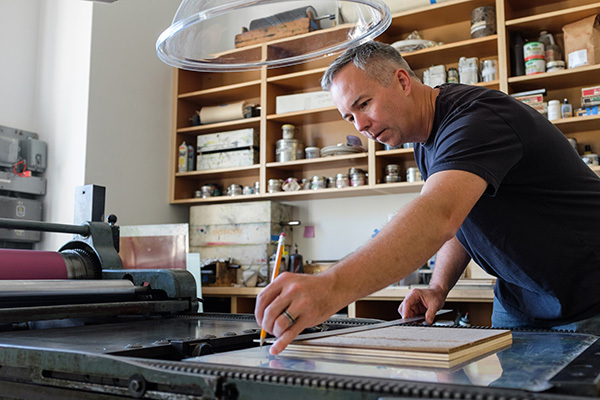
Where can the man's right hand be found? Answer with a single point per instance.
(422, 301)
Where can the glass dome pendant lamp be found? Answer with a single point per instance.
(228, 35)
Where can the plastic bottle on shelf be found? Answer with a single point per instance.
(182, 165)
(191, 154)
(551, 49)
(553, 110)
(566, 110)
(488, 73)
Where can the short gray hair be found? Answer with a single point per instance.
(377, 59)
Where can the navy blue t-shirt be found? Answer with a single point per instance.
(537, 227)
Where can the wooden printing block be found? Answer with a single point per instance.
(292, 28)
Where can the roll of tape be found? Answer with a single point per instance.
(225, 112)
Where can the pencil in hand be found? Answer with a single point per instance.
(279, 254)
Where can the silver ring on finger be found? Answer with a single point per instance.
(289, 317)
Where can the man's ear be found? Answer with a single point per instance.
(403, 78)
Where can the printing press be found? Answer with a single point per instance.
(74, 324)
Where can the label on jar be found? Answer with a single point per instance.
(533, 50)
(536, 66)
(553, 110)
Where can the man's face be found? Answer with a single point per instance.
(378, 112)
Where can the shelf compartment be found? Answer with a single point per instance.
(552, 21)
(333, 193)
(218, 199)
(578, 124)
(193, 81)
(221, 126)
(310, 133)
(189, 103)
(484, 48)
(224, 94)
(404, 158)
(186, 183)
(215, 173)
(320, 163)
(316, 116)
(433, 16)
(586, 75)
(327, 167)
(299, 81)
(515, 9)
(320, 63)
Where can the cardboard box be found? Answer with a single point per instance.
(531, 99)
(227, 140)
(227, 159)
(302, 101)
(244, 232)
(590, 91)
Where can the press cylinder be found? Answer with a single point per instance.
(34, 264)
(28, 293)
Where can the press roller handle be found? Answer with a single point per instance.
(7, 223)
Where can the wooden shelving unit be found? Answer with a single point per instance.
(447, 22)
(383, 304)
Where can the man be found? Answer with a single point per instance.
(503, 186)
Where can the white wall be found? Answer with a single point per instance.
(61, 105)
(86, 78)
(19, 22)
(342, 225)
(129, 121)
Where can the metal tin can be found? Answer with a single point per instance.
(488, 72)
(392, 178)
(330, 182)
(413, 175)
(483, 21)
(341, 181)
(257, 187)
(392, 169)
(207, 191)
(312, 152)
(358, 178)
(305, 184)
(318, 182)
(274, 185)
(554, 66)
(234, 190)
(289, 150)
